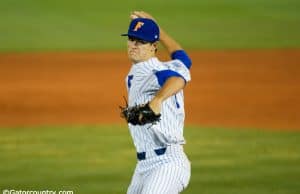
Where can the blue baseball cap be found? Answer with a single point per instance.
(144, 29)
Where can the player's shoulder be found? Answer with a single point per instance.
(173, 64)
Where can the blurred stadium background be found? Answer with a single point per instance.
(62, 68)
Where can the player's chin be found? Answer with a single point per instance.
(133, 57)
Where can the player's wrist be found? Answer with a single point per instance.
(155, 104)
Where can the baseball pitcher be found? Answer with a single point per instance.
(155, 108)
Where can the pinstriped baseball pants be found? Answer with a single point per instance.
(169, 176)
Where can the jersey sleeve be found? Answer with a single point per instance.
(183, 57)
(172, 68)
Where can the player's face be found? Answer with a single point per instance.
(140, 50)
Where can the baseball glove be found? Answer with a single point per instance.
(139, 114)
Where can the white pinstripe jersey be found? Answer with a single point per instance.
(142, 84)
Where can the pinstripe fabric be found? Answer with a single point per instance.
(168, 174)
(172, 168)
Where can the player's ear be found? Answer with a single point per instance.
(155, 46)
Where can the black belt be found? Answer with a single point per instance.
(142, 155)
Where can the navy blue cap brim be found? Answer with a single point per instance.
(139, 37)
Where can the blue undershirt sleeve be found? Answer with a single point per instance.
(183, 57)
(162, 76)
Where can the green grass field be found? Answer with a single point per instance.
(34, 25)
(101, 159)
(95, 159)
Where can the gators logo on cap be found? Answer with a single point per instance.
(138, 26)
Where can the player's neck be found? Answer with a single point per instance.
(142, 60)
